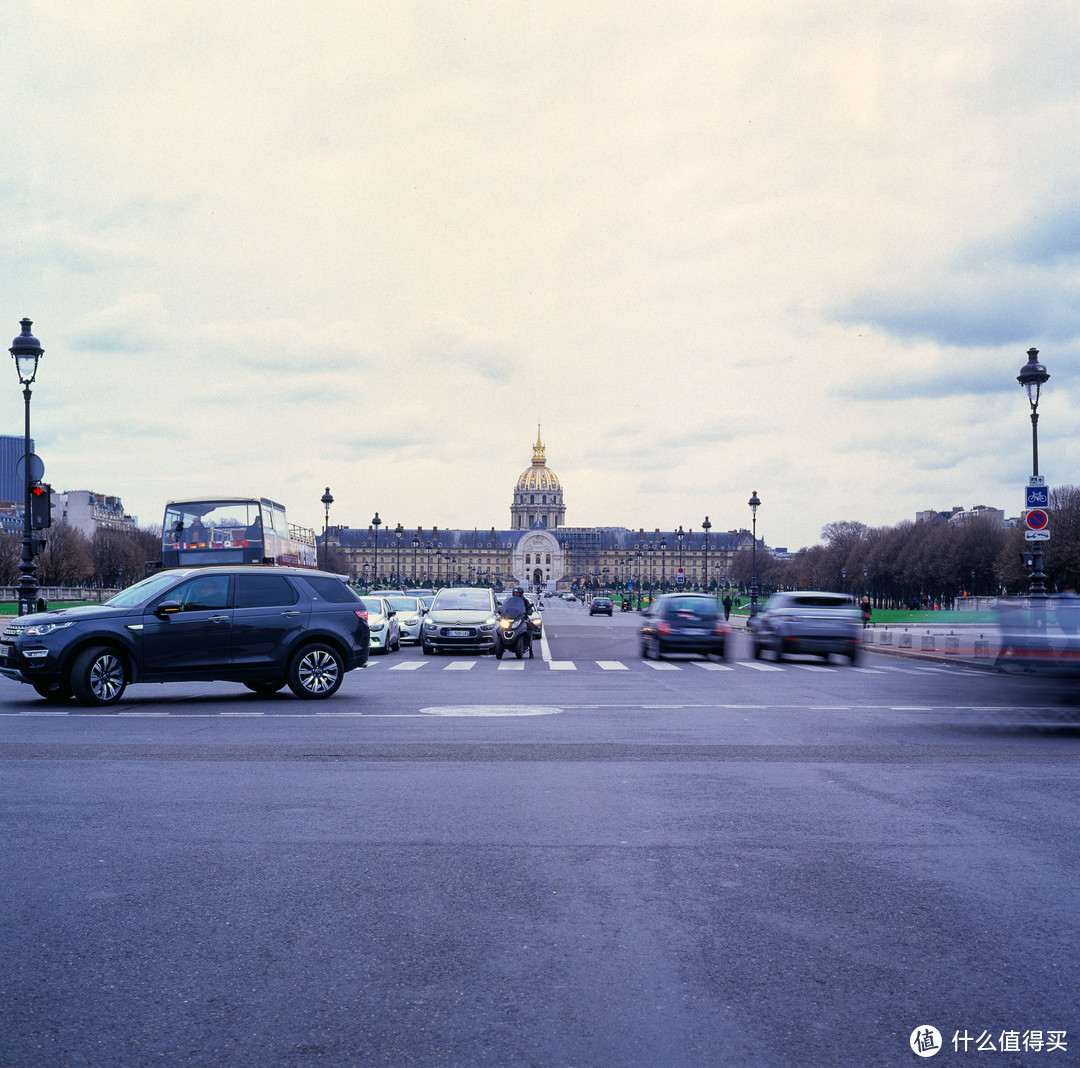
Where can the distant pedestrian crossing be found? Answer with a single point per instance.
(646, 666)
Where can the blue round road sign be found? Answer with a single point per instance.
(1037, 519)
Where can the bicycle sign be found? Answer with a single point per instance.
(1036, 496)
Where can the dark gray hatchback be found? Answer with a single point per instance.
(259, 626)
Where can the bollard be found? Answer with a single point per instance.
(982, 647)
(905, 640)
(885, 637)
(927, 642)
(952, 644)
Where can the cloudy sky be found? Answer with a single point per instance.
(792, 247)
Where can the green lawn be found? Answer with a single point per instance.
(11, 608)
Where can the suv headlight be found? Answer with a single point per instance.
(430, 625)
(489, 623)
(39, 630)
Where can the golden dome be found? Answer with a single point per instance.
(539, 478)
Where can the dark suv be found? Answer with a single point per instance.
(260, 626)
(683, 623)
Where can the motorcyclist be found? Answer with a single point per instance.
(517, 604)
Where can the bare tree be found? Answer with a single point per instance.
(66, 559)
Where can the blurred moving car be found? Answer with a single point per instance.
(808, 621)
(601, 606)
(383, 624)
(262, 627)
(461, 618)
(684, 623)
(410, 615)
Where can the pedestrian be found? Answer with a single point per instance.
(865, 606)
(727, 607)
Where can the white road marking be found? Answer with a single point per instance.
(491, 710)
(562, 665)
(460, 665)
(612, 665)
(660, 665)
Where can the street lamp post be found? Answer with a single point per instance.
(415, 546)
(754, 503)
(679, 535)
(706, 526)
(1033, 376)
(327, 500)
(27, 352)
(399, 532)
(663, 565)
(376, 523)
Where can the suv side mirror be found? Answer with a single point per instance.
(167, 608)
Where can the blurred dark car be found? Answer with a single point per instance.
(808, 621)
(262, 627)
(601, 606)
(684, 623)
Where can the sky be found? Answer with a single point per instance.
(798, 248)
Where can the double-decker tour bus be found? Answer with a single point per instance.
(233, 530)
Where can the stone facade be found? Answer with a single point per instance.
(538, 550)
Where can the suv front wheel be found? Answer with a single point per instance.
(316, 671)
(98, 677)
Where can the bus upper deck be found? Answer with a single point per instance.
(233, 530)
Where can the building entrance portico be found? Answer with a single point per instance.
(538, 560)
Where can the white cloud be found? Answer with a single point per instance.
(792, 248)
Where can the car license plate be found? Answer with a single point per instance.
(458, 634)
(6, 650)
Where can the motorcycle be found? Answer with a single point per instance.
(625, 606)
(513, 633)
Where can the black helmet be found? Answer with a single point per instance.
(519, 591)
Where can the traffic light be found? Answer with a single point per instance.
(40, 506)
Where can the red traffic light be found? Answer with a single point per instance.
(40, 506)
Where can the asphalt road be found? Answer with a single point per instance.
(581, 860)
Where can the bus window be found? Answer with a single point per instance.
(235, 531)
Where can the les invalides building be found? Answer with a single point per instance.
(538, 550)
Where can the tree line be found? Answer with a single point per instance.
(936, 561)
(905, 562)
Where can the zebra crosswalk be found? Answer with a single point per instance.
(484, 664)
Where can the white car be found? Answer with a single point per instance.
(383, 624)
(410, 615)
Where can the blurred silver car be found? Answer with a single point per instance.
(808, 621)
(410, 615)
(383, 624)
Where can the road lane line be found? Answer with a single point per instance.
(708, 665)
(461, 665)
(660, 665)
(409, 665)
(562, 665)
(611, 665)
(514, 665)
(759, 667)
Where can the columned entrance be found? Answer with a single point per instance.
(538, 560)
